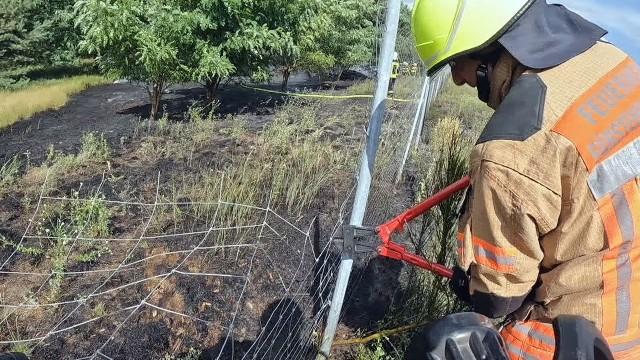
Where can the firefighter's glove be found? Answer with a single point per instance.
(459, 284)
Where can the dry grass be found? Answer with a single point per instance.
(299, 160)
(60, 167)
(291, 162)
(461, 102)
(52, 94)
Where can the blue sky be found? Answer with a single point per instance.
(620, 17)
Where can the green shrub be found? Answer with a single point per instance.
(374, 351)
(9, 173)
(94, 147)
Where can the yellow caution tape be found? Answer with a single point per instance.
(321, 96)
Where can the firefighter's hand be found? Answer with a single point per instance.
(459, 284)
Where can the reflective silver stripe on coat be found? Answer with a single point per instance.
(542, 337)
(616, 171)
(501, 260)
(519, 352)
(627, 229)
(625, 346)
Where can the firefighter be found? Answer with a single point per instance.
(394, 73)
(551, 224)
(414, 69)
(404, 68)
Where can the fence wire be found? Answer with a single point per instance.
(254, 290)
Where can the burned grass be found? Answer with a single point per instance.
(163, 214)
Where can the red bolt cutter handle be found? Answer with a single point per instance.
(396, 251)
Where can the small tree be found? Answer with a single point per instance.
(347, 33)
(148, 41)
(254, 47)
(299, 20)
(230, 40)
(211, 65)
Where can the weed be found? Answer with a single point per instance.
(52, 94)
(9, 173)
(151, 150)
(91, 216)
(162, 126)
(21, 348)
(59, 166)
(197, 113)
(17, 334)
(57, 253)
(374, 351)
(192, 354)
(33, 251)
(99, 310)
(62, 224)
(93, 255)
(94, 147)
(364, 87)
(239, 128)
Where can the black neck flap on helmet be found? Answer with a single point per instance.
(549, 35)
(545, 36)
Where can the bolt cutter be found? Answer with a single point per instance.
(379, 239)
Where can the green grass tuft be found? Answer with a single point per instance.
(9, 174)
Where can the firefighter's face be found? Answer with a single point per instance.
(463, 71)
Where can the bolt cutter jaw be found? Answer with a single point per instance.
(358, 239)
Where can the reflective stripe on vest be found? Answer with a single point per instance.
(604, 125)
(499, 259)
(529, 340)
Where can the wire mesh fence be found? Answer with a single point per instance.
(250, 290)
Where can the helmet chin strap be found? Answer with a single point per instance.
(483, 85)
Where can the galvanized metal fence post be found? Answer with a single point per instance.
(423, 110)
(412, 133)
(365, 176)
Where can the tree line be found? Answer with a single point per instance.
(161, 42)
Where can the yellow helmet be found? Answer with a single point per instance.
(445, 29)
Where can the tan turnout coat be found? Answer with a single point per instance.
(554, 209)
